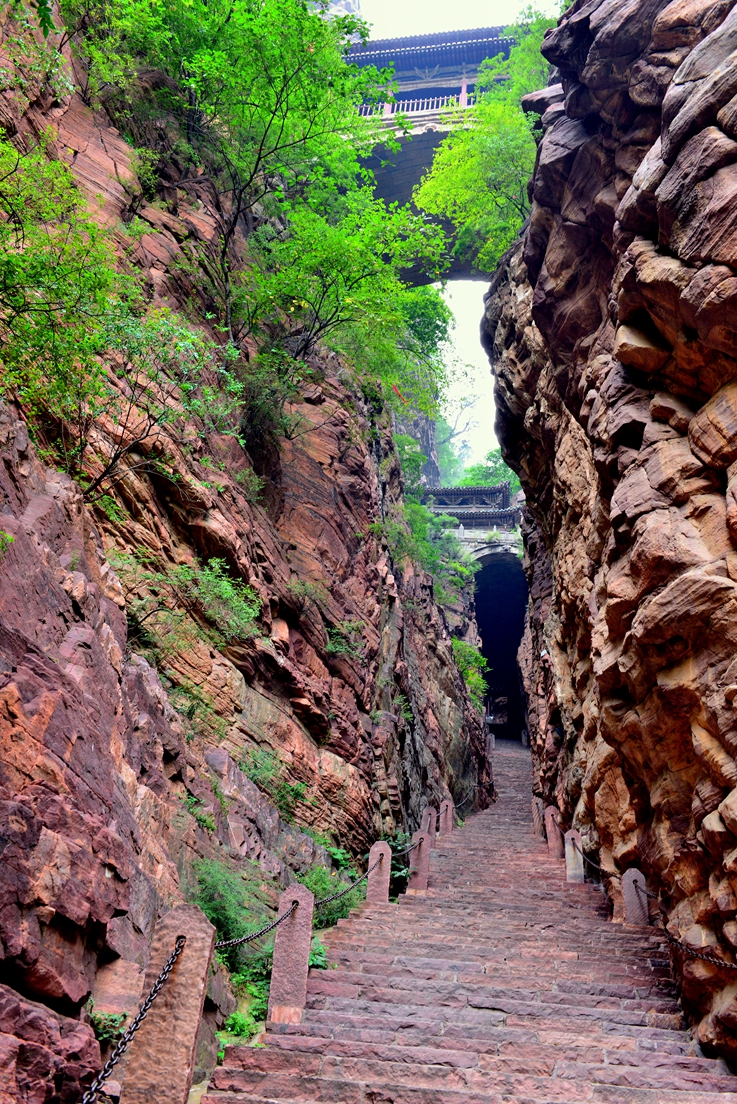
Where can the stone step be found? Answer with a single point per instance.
(502, 985)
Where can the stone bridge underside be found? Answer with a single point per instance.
(426, 66)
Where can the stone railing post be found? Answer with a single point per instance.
(419, 864)
(574, 856)
(552, 831)
(377, 884)
(428, 824)
(538, 819)
(445, 822)
(173, 1021)
(288, 993)
(635, 902)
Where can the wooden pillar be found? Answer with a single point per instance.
(288, 993)
(160, 1062)
(574, 857)
(463, 99)
(419, 865)
(377, 885)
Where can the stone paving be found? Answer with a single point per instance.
(503, 984)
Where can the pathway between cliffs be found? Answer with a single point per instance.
(503, 984)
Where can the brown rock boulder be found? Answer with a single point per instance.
(712, 433)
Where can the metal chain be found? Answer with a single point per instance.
(697, 954)
(342, 892)
(642, 889)
(586, 859)
(465, 799)
(91, 1095)
(398, 854)
(255, 935)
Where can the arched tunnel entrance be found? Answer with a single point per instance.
(501, 599)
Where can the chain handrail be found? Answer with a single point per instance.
(91, 1095)
(255, 935)
(342, 892)
(411, 847)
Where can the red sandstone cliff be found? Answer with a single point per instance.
(99, 772)
(612, 329)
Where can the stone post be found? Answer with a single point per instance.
(574, 857)
(538, 819)
(428, 824)
(419, 865)
(635, 902)
(446, 818)
(288, 994)
(552, 831)
(160, 1062)
(377, 885)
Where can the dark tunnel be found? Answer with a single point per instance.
(501, 598)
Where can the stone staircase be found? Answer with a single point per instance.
(503, 984)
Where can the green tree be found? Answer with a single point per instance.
(490, 473)
(479, 175)
(255, 92)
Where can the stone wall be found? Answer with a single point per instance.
(612, 330)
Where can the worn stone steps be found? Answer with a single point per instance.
(503, 985)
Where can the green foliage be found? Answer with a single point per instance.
(5, 542)
(490, 473)
(251, 984)
(471, 665)
(323, 883)
(306, 591)
(399, 876)
(107, 1026)
(45, 17)
(165, 605)
(221, 894)
(479, 175)
(195, 706)
(412, 460)
(205, 820)
(251, 484)
(428, 540)
(344, 639)
(450, 457)
(265, 768)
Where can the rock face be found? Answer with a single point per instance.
(611, 327)
(118, 776)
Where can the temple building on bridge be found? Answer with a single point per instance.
(435, 69)
(485, 508)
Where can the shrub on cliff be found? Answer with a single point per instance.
(471, 664)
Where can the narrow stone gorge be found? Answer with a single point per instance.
(612, 329)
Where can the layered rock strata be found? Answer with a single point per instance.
(119, 770)
(612, 329)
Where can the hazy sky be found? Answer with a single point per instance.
(465, 299)
(399, 18)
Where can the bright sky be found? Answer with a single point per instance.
(465, 299)
(392, 19)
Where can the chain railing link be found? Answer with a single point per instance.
(342, 892)
(255, 935)
(399, 854)
(91, 1095)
